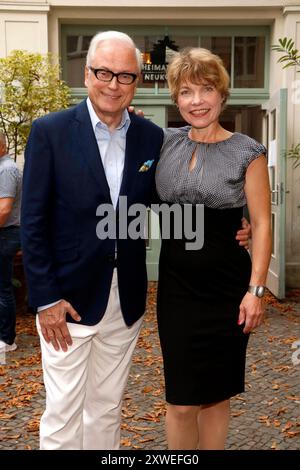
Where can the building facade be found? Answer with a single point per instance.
(264, 101)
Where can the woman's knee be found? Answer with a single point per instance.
(219, 405)
(183, 412)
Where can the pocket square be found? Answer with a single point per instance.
(146, 165)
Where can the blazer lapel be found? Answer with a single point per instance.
(87, 144)
(131, 163)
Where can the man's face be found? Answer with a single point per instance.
(109, 99)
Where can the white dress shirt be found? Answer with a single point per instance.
(111, 146)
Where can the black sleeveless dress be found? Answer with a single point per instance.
(199, 291)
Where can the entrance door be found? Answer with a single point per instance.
(274, 138)
(158, 115)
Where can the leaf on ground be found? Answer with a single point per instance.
(288, 340)
(29, 361)
(7, 416)
(137, 359)
(287, 426)
(293, 433)
(27, 373)
(127, 397)
(126, 443)
(147, 389)
(150, 417)
(237, 397)
(276, 423)
(140, 428)
(33, 425)
(293, 398)
(127, 414)
(271, 300)
(281, 411)
(147, 439)
(282, 368)
(265, 420)
(234, 414)
(272, 338)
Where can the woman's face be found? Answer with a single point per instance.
(200, 105)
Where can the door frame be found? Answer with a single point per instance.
(275, 139)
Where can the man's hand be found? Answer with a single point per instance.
(54, 326)
(244, 234)
(139, 112)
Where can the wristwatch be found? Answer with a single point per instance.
(258, 291)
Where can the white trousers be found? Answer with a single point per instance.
(85, 385)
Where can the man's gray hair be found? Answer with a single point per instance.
(107, 35)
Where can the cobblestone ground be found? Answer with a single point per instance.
(266, 417)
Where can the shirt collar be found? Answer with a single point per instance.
(124, 124)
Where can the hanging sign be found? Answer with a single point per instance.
(154, 72)
(155, 61)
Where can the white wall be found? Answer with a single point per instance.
(23, 30)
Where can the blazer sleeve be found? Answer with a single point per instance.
(37, 197)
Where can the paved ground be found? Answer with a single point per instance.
(266, 417)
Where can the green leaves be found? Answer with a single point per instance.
(291, 56)
(294, 152)
(29, 88)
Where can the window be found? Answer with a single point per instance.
(220, 46)
(249, 59)
(242, 50)
(77, 47)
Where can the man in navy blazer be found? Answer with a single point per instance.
(90, 293)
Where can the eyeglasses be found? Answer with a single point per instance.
(107, 75)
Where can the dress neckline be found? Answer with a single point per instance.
(199, 142)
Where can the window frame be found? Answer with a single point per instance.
(155, 94)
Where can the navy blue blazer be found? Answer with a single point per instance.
(63, 184)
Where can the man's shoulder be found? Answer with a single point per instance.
(7, 162)
(58, 117)
(8, 166)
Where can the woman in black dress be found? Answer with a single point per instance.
(209, 299)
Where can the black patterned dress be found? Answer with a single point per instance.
(199, 291)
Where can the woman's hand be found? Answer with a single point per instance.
(139, 112)
(251, 312)
(244, 234)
